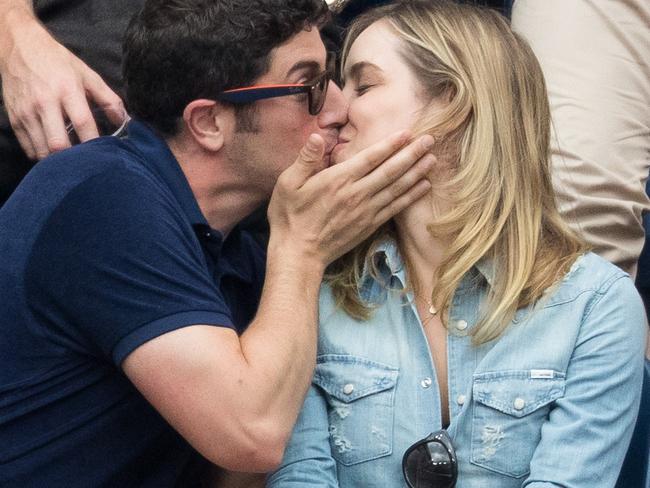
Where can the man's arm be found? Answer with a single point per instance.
(44, 84)
(235, 399)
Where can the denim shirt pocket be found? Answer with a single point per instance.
(360, 395)
(508, 410)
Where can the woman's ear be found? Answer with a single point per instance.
(209, 123)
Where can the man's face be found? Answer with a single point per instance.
(282, 125)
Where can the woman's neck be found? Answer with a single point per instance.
(421, 251)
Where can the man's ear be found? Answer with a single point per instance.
(209, 123)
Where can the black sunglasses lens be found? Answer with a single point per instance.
(429, 465)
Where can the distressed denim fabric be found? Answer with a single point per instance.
(551, 403)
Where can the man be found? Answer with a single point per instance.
(131, 336)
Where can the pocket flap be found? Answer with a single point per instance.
(517, 393)
(348, 378)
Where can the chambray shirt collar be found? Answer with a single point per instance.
(485, 267)
(159, 159)
(389, 263)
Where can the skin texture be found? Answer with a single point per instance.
(44, 84)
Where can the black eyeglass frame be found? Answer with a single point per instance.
(440, 437)
(316, 97)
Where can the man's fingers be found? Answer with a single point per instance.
(56, 135)
(418, 172)
(37, 136)
(367, 160)
(24, 141)
(104, 97)
(395, 166)
(81, 118)
(398, 204)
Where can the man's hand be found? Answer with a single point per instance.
(44, 85)
(323, 214)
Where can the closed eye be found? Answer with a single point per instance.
(361, 89)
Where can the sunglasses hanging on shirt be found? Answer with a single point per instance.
(431, 462)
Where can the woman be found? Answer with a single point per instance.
(476, 316)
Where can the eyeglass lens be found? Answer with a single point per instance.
(317, 95)
(429, 465)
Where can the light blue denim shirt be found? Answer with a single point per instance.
(551, 403)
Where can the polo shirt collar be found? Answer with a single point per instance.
(158, 158)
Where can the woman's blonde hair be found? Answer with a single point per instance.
(494, 133)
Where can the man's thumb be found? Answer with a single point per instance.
(311, 156)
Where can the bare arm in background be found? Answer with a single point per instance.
(44, 84)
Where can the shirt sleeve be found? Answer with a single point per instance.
(116, 265)
(308, 461)
(585, 439)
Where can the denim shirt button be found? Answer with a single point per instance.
(461, 325)
(348, 389)
(426, 382)
(519, 404)
(461, 400)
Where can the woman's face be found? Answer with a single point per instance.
(383, 93)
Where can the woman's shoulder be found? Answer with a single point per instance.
(591, 276)
(596, 296)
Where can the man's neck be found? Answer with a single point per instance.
(224, 200)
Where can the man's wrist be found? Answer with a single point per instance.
(300, 259)
(16, 20)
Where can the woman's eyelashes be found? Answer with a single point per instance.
(366, 81)
(361, 89)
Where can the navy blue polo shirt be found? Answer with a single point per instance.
(102, 248)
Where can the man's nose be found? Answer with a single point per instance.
(335, 108)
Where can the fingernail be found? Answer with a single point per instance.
(312, 142)
(427, 142)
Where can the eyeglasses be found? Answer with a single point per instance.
(431, 462)
(316, 90)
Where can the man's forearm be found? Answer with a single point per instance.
(12, 11)
(279, 347)
(8, 6)
(14, 16)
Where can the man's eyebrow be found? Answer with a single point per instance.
(355, 70)
(305, 65)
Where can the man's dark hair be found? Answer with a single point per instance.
(176, 51)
